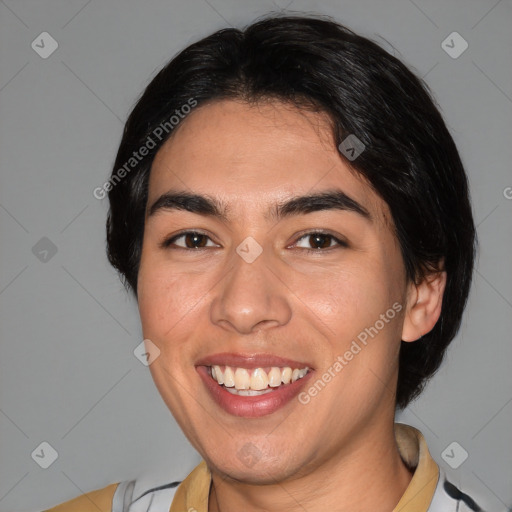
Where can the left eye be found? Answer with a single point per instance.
(319, 240)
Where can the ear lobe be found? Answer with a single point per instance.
(424, 304)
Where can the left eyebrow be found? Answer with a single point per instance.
(300, 205)
(325, 200)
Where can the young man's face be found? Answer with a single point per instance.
(227, 304)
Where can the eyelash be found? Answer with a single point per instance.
(166, 244)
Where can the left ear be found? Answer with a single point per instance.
(424, 301)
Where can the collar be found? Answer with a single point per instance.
(414, 452)
(192, 494)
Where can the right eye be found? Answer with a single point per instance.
(189, 240)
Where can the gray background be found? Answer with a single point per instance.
(68, 329)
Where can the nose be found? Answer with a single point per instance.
(250, 297)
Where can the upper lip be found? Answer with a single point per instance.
(250, 361)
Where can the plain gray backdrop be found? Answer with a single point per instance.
(69, 377)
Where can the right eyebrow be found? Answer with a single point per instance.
(195, 203)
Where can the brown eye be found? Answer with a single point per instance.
(320, 241)
(194, 240)
(317, 241)
(188, 240)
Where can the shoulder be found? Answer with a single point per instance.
(152, 491)
(95, 501)
(142, 494)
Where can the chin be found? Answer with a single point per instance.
(259, 474)
(250, 465)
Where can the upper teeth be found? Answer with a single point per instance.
(256, 379)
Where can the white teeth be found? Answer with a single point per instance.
(274, 377)
(242, 379)
(229, 378)
(217, 374)
(257, 381)
(286, 375)
(248, 392)
(298, 374)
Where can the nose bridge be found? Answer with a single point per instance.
(250, 295)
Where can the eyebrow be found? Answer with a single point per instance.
(299, 205)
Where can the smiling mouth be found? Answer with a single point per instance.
(255, 381)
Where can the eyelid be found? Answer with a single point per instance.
(168, 241)
(339, 239)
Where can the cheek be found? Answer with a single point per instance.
(348, 299)
(169, 304)
(166, 299)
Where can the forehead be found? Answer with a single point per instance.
(250, 156)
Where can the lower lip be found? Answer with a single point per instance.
(252, 406)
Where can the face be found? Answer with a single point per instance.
(261, 286)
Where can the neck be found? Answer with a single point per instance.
(370, 475)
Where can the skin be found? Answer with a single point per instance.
(338, 452)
